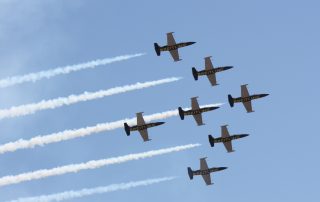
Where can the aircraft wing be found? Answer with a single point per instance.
(212, 79)
(207, 179)
(140, 120)
(244, 91)
(175, 55)
(170, 39)
(204, 166)
(248, 106)
(144, 135)
(208, 63)
(194, 103)
(225, 133)
(198, 118)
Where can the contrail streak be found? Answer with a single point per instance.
(82, 132)
(94, 164)
(33, 77)
(27, 109)
(91, 191)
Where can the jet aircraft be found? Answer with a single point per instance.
(225, 138)
(204, 171)
(195, 111)
(172, 47)
(209, 71)
(141, 126)
(245, 98)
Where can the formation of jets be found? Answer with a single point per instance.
(210, 71)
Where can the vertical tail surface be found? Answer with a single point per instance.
(127, 128)
(211, 140)
(190, 173)
(181, 113)
(231, 101)
(195, 73)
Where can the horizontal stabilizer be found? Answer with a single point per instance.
(157, 49)
(190, 173)
(231, 101)
(195, 73)
(211, 140)
(127, 128)
(181, 113)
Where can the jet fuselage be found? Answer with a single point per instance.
(208, 171)
(228, 139)
(214, 70)
(145, 126)
(175, 46)
(249, 98)
(199, 111)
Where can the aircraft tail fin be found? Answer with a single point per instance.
(157, 49)
(127, 128)
(181, 113)
(190, 173)
(211, 140)
(195, 73)
(231, 101)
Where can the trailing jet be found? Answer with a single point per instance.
(245, 98)
(141, 126)
(209, 71)
(225, 138)
(195, 111)
(172, 47)
(204, 171)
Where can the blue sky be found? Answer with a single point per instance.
(273, 46)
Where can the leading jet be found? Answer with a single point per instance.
(245, 98)
(172, 47)
(204, 171)
(195, 111)
(225, 138)
(209, 71)
(141, 126)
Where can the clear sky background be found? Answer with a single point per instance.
(273, 46)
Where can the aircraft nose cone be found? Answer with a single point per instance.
(160, 123)
(192, 42)
(264, 95)
(228, 67)
(245, 135)
(223, 168)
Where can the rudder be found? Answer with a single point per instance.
(211, 140)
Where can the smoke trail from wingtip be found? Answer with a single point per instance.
(27, 109)
(72, 194)
(82, 132)
(94, 164)
(33, 77)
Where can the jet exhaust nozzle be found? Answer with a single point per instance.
(190, 173)
(211, 140)
(231, 101)
(181, 113)
(195, 73)
(127, 128)
(157, 49)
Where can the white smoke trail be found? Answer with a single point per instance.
(81, 132)
(27, 109)
(33, 77)
(73, 168)
(97, 190)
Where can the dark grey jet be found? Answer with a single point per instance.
(204, 171)
(141, 126)
(172, 47)
(195, 111)
(245, 98)
(209, 71)
(225, 138)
